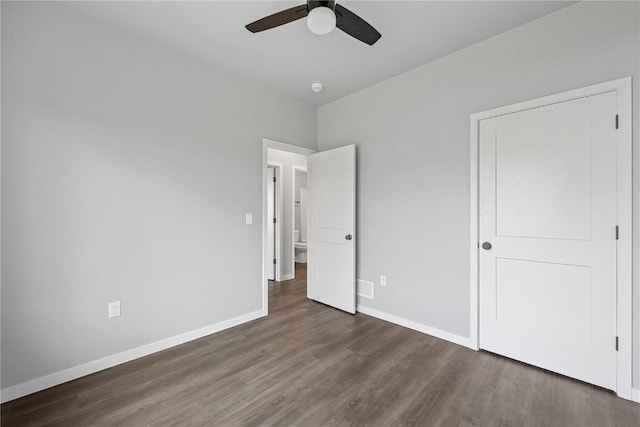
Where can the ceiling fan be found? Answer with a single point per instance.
(322, 18)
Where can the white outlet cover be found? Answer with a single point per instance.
(114, 309)
(249, 219)
(383, 280)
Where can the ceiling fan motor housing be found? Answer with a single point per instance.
(312, 4)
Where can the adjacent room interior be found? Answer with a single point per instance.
(318, 213)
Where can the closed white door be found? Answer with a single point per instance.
(548, 237)
(331, 240)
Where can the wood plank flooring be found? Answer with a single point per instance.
(310, 365)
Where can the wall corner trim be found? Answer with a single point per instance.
(435, 332)
(56, 378)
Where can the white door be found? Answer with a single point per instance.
(271, 225)
(331, 240)
(548, 209)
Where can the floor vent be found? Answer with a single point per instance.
(364, 288)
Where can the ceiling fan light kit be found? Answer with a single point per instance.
(322, 18)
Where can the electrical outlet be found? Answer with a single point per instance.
(383, 280)
(114, 309)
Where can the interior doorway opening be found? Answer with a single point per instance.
(283, 233)
(331, 222)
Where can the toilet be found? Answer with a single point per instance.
(300, 248)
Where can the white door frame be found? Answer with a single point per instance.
(293, 213)
(277, 252)
(266, 144)
(622, 87)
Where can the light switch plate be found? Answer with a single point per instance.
(249, 219)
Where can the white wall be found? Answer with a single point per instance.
(412, 133)
(288, 161)
(127, 171)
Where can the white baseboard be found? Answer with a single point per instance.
(438, 333)
(635, 394)
(38, 384)
(287, 277)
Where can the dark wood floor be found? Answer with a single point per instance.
(309, 365)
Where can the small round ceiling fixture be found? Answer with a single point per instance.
(321, 20)
(317, 87)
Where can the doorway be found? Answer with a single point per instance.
(331, 213)
(551, 270)
(284, 157)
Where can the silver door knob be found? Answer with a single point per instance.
(348, 237)
(486, 246)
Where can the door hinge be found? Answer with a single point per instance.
(274, 220)
(617, 232)
(617, 121)
(274, 261)
(274, 178)
(617, 343)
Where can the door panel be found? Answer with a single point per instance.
(548, 207)
(523, 290)
(531, 201)
(331, 256)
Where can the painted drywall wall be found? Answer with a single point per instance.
(127, 171)
(288, 161)
(413, 218)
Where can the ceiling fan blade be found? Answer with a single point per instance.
(279, 18)
(355, 26)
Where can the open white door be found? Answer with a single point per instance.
(331, 243)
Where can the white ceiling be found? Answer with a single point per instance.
(289, 58)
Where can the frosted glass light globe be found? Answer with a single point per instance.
(321, 20)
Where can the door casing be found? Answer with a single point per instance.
(624, 315)
(277, 212)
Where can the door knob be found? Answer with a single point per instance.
(348, 237)
(486, 246)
